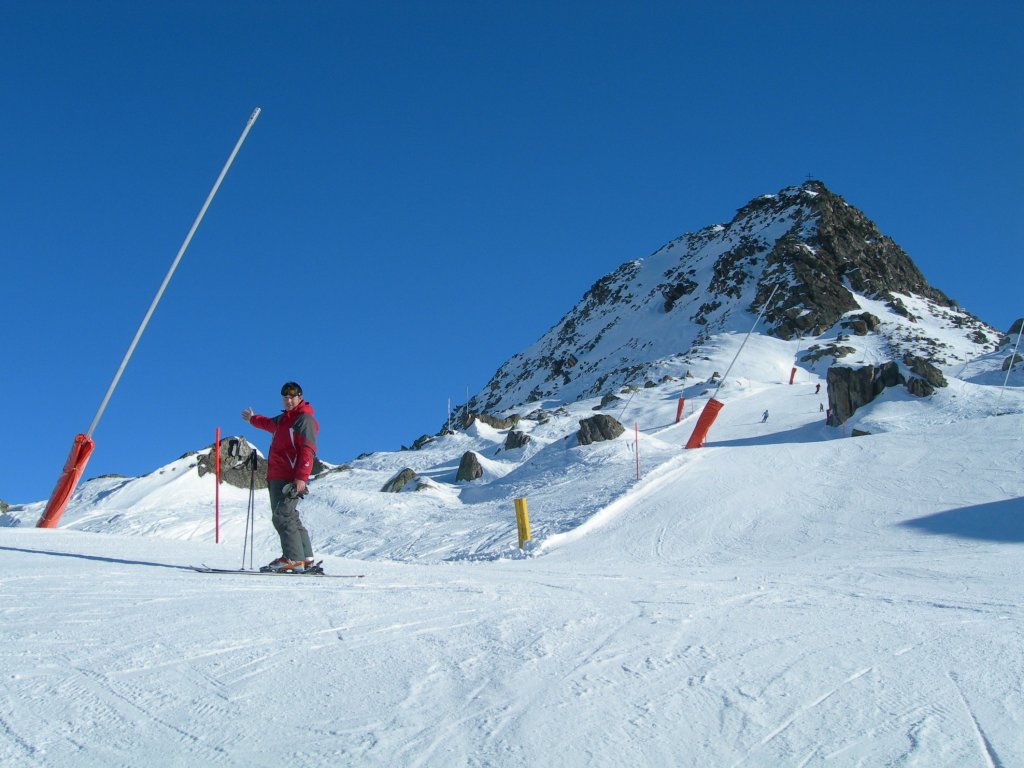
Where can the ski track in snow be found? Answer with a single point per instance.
(987, 750)
(491, 669)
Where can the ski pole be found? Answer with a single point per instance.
(250, 512)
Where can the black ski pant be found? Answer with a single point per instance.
(294, 537)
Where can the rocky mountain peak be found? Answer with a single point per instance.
(823, 258)
(831, 252)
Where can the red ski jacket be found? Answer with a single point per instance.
(294, 443)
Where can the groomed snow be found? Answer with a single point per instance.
(785, 596)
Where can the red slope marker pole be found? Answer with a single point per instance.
(83, 444)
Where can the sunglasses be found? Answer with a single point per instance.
(289, 392)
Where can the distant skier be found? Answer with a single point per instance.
(764, 416)
(821, 407)
(289, 462)
(817, 388)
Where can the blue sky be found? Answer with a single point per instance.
(431, 186)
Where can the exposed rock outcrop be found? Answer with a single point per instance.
(833, 245)
(400, 481)
(926, 379)
(469, 468)
(598, 428)
(851, 388)
(421, 441)
(491, 421)
(862, 324)
(237, 456)
(515, 439)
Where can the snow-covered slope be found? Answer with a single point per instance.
(565, 484)
(782, 597)
(786, 595)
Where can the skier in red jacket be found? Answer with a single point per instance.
(289, 463)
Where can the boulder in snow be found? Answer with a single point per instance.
(516, 439)
(236, 457)
(598, 428)
(851, 388)
(400, 481)
(469, 468)
(491, 421)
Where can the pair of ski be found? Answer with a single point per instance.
(246, 572)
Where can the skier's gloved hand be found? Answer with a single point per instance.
(291, 493)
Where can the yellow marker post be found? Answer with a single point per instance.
(522, 522)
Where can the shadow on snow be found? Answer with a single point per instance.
(807, 433)
(1001, 521)
(97, 558)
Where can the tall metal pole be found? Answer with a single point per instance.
(1013, 359)
(170, 272)
(713, 406)
(745, 339)
(83, 445)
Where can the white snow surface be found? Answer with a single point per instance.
(787, 595)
